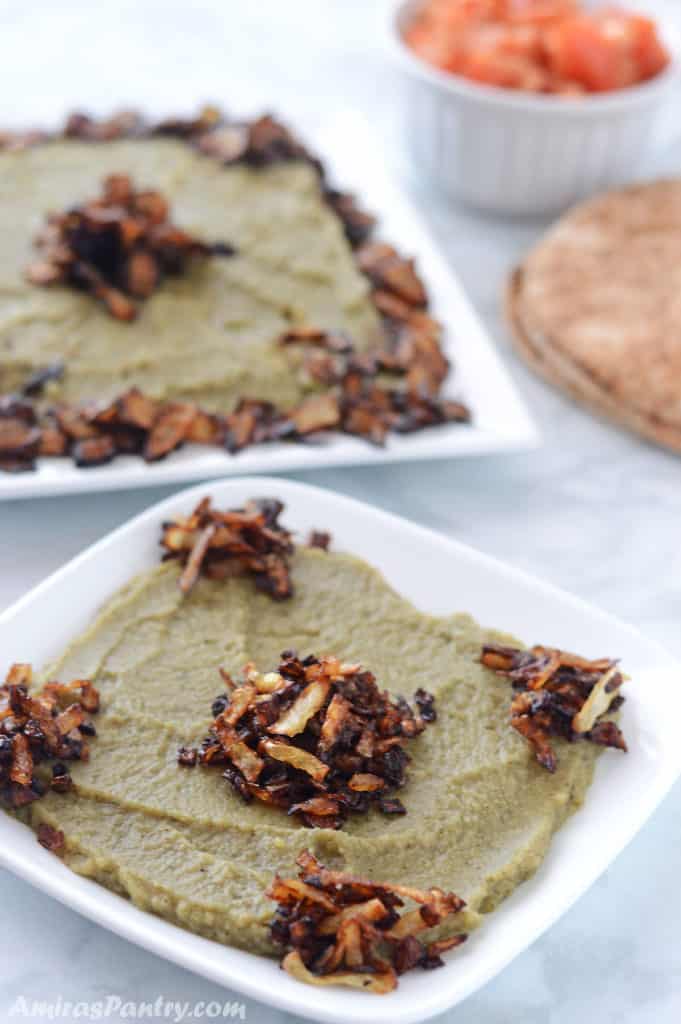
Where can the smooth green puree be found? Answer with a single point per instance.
(180, 843)
(209, 336)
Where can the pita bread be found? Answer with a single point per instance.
(596, 308)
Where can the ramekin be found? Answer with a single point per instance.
(520, 153)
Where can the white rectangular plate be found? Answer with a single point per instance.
(626, 789)
(500, 420)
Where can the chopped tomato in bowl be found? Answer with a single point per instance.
(540, 46)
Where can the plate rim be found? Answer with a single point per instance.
(165, 939)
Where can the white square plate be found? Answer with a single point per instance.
(439, 576)
(500, 420)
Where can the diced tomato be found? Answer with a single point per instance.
(436, 49)
(582, 52)
(538, 45)
(508, 71)
(521, 41)
(539, 12)
(649, 50)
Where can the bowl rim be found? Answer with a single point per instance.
(592, 105)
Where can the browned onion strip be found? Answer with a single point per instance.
(338, 929)
(559, 694)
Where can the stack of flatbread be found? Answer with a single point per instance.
(596, 308)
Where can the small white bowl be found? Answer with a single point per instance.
(520, 153)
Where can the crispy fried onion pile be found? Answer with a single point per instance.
(559, 694)
(359, 400)
(118, 247)
(342, 930)
(241, 541)
(52, 724)
(317, 739)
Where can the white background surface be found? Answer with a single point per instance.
(594, 511)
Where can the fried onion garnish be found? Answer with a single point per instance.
(236, 542)
(359, 401)
(319, 539)
(317, 738)
(50, 725)
(342, 930)
(52, 839)
(20, 435)
(118, 247)
(559, 694)
(358, 223)
(387, 269)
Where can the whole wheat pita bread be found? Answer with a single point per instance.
(596, 308)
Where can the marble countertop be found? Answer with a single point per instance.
(594, 510)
